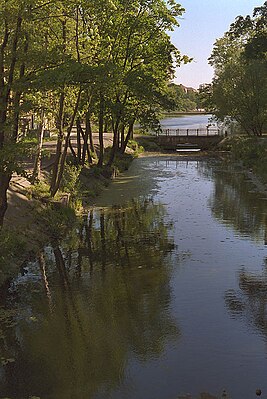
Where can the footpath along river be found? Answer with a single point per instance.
(162, 291)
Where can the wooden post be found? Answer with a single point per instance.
(187, 132)
(197, 132)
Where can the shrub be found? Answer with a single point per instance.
(11, 246)
(247, 149)
(70, 179)
(252, 152)
(38, 190)
(57, 219)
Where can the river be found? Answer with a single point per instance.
(161, 291)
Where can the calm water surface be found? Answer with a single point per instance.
(162, 291)
(187, 121)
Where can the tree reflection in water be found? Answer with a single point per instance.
(86, 312)
(251, 301)
(235, 203)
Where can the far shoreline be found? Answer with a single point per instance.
(183, 113)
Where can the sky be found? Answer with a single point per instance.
(203, 22)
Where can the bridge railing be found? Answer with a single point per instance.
(190, 132)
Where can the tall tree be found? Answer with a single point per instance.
(239, 88)
(109, 58)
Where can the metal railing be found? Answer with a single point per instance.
(190, 132)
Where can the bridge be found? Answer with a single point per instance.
(169, 139)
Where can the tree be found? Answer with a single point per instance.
(185, 100)
(23, 53)
(111, 59)
(239, 87)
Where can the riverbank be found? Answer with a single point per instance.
(33, 218)
(30, 222)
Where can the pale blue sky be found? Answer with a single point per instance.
(203, 22)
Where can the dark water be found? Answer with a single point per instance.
(161, 291)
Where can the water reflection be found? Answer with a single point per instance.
(250, 302)
(236, 204)
(186, 121)
(82, 314)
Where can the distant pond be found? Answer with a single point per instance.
(161, 291)
(187, 121)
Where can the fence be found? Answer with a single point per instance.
(190, 132)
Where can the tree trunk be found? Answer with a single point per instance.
(115, 142)
(75, 158)
(17, 96)
(2, 85)
(128, 137)
(88, 131)
(79, 145)
(4, 184)
(122, 136)
(65, 149)
(5, 90)
(101, 128)
(85, 148)
(60, 138)
(37, 163)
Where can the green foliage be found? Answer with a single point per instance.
(12, 156)
(134, 145)
(71, 184)
(116, 51)
(184, 99)
(239, 88)
(148, 144)
(57, 219)
(251, 152)
(122, 162)
(11, 246)
(247, 149)
(70, 180)
(38, 190)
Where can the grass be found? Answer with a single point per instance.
(148, 143)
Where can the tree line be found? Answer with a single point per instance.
(239, 87)
(74, 61)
